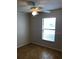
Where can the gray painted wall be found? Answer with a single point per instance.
(36, 29)
(22, 29)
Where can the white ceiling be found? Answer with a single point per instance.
(47, 4)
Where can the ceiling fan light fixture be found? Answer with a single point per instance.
(34, 13)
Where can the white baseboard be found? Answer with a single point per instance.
(22, 44)
(47, 46)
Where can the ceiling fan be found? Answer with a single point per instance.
(34, 8)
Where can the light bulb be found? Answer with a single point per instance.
(34, 13)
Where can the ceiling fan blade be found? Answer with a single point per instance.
(31, 3)
(24, 9)
(46, 11)
(22, 3)
(26, 3)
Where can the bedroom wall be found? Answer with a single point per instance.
(36, 29)
(22, 29)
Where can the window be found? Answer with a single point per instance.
(48, 29)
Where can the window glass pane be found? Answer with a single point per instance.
(49, 23)
(48, 35)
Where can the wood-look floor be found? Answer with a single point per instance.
(33, 51)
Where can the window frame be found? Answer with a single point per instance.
(48, 29)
